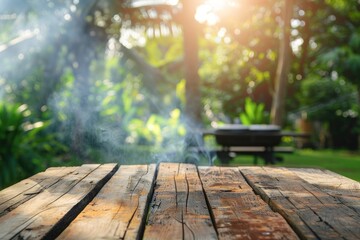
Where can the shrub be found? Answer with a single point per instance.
(254, 113)
(334, 103)
(25, 147)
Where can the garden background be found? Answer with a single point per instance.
(108, 81)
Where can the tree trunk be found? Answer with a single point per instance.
(358, 90)
(193, 100)
(283, 67)
(305, 49)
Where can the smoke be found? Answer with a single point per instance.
(102, 106)
(28, 32)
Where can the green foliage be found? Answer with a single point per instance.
(11, 120)
(157, 130)
(354, 41)
(344, 59)
(333, 102)
(113, 102)
(328, 99)
(351, 68)
(232, 71)
(24, 149)
(239, 56)
(180, 91)
(164, 51)
(254, 113)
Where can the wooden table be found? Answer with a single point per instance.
(181, 201)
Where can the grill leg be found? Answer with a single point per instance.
(255, 159)
(269, 156)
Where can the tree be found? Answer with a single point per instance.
(283, 67)
(193, 108)
(327, 56)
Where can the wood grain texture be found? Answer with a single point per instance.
(311, 212)
(346, 190)
(187, 203)
(238, 212)
(178, 209)
(119, 208)
(50, 211)
(25, 190)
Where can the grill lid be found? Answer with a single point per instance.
(245, 128)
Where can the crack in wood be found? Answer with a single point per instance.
(63, 222)
(189, 202)
(270, 201)
(182, 224)
(29, 196)
(138, 200)
(309, 191)
(138, 182)
(176, 192)
(25, 225)
(18, 234)
(309, 204)
(298, 230)
(74, 182)
(149, 198)
(33, 193)
(178, 170)
(330, 226)
(187, 193)
(350, 207)
(191, 231)
(208, 205)
(115, 215)
(56, 229)
(320, 220)
(132, 217)
(45, 208)
(28, 189)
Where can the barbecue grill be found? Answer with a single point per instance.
(253, 135)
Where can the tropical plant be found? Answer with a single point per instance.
(254, 113)
(24, 149)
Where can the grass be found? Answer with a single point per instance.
(340, 161)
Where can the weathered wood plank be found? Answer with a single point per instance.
(311, 212)
(165, 219)
(344, 189)
(50, 211)
(239, 213)
(178, 208)
(24, 190)
(326, 179)
(18, 188)
(196, 216)
(119, 208)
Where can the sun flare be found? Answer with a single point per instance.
(207, 12)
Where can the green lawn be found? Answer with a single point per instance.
(342, 162)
